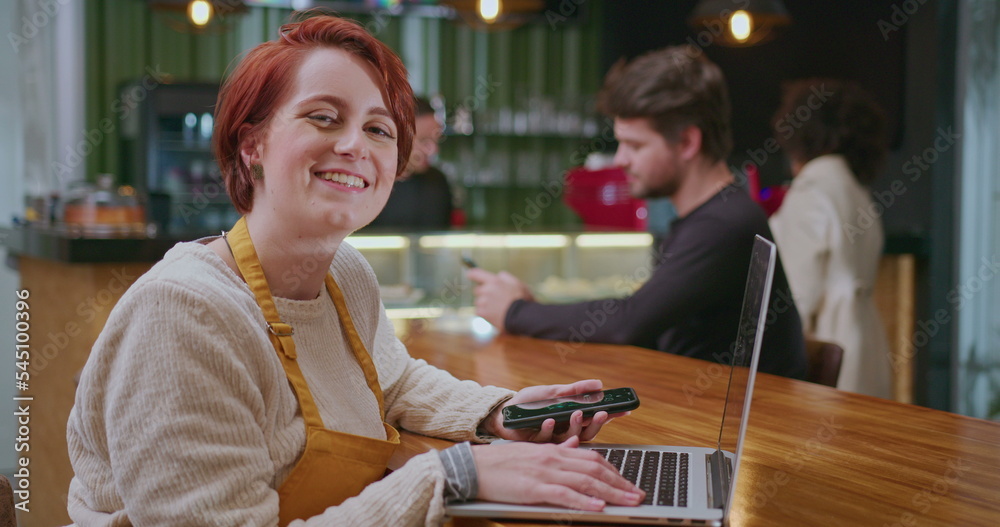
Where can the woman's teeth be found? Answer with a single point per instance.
(343, 179)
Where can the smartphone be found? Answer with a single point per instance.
(532, 414)
(469, 262)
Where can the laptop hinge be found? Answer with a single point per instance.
(719, 480)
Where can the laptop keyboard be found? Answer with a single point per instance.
(663, 475)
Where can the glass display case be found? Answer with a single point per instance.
(422, 275)
(167, 153)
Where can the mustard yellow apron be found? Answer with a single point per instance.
(335, 465)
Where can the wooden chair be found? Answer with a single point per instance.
(7, 518)
(824, 362)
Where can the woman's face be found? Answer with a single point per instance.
(329, 149)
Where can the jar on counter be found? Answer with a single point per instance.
(103, 208)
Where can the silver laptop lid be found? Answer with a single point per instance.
(746, 354)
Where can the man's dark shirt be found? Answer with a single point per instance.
(691, 304)
(420, 202)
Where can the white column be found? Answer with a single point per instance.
(975, 299)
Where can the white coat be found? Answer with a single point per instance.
(830, 244)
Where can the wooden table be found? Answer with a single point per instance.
(813, 455)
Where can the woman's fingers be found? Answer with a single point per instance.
(600, 419)
(573, 427)
(590, 486)
(559, 475)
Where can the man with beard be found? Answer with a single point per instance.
(671, 115)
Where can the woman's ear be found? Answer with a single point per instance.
(250, 147)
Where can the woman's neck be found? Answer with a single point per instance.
(294, 264)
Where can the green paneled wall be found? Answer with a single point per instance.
(127, 41)
(499, 170)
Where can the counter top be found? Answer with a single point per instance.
(813, 455)
(68, 247)
(61, 246)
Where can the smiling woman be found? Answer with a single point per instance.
(328, 156)
(255, 88)
(254, 378)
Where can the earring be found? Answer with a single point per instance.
(257, 171)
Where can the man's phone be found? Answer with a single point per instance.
(469, 262)
(532, 414)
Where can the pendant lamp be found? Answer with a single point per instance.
(738, 23)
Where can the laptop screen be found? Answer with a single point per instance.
(746, 353)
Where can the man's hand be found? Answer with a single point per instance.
(495, 293)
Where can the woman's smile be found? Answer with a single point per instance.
(351, 182)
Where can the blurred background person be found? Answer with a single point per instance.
(671, 119)
(830, 255)
(421, 198)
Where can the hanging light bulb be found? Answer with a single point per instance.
(200, 12)
(489, 10)
(755, 22)
(741, 25)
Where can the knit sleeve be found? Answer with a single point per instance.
(429, 400)
(167, 425)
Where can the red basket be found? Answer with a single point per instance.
(602, 199)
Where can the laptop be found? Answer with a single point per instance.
(684, 485)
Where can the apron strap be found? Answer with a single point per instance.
(279, 332)
(357, 346)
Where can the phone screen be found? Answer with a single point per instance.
(571, 403)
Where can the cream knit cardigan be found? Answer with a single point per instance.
(184, 415)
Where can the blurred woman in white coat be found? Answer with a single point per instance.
(828, 232)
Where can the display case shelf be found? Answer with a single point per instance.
(424, 276)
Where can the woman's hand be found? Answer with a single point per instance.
(560, 475)
(584, 429)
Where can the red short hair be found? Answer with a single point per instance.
(257, 85)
